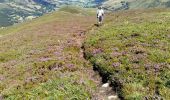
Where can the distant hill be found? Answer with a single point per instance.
(134, 4)
(14, 11)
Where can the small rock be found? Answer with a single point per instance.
(105, 85)
(112, 97)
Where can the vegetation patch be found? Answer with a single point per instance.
(133, 52)
(65, 88)
(39, 61)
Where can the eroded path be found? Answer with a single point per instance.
(45, 49)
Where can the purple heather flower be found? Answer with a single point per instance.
(45, 59)
(97, 51)
(116, 64)
(116, 54)
(156, 68)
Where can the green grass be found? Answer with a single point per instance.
(29, 25)
(65, 88)
(37, 61)
(134, 50)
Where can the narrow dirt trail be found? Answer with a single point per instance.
(76, 30)
(104, 91)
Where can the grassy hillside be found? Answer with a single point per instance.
(150, 3)
(132, 51)
(41, 59)
(135, 4)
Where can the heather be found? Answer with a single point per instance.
(132, 51)
(42, 59)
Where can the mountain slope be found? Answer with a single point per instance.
(132, 52)
(42, 59)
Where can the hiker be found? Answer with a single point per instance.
(100, 15)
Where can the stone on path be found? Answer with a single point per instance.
(106, 85)
(112, 97)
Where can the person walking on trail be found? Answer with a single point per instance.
(100, 15)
